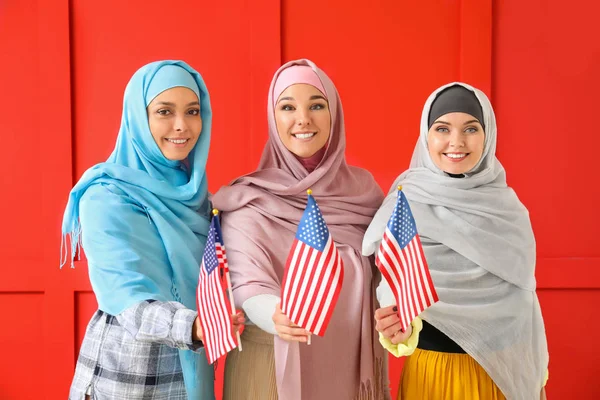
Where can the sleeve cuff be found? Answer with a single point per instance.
(181, 331)
(408, 347)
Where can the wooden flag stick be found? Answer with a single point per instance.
(308, 342)
(229, 288)
(230, 291)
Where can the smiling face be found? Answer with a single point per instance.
(303, 120)
(175, 122)
(455, 142)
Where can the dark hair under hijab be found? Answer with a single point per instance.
(456, 99)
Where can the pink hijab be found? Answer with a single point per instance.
(261, 212)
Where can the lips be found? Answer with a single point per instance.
(455, 157)
(304, 135)
(177, 140)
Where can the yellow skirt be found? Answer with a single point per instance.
(445, 376)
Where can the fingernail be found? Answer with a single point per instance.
(395, 309)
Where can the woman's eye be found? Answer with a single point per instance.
(162, 111)
(194, 111)
(471, 130)
(442, 129)
(287, 107)
(317, 106)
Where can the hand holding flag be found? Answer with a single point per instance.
(215, 307)
(314, 273)
(402, 263)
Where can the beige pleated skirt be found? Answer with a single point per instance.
(250, 374)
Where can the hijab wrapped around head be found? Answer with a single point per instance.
(155, 256)
(261, 212)
(479, 244)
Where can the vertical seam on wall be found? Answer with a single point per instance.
(460, 41)
(281, 49)
(72, 93)
(492, 51)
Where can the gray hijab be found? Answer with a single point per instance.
(480, 248)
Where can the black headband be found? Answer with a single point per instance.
(456, 99)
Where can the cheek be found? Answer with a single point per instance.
(282, 124)
(326, 127)
(477, 145)
(323, 124)
(434, 145)
(156, 127)
(198, 127)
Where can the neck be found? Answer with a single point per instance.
(310, 163)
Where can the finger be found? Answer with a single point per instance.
(387, 322)
(391, 331)
(281, 319)
(401, 337)
(238, 318)
(288, 330)
(385, 312)
(291, 338)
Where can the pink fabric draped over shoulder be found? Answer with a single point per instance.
(260, 215)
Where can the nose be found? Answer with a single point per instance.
(457, 139)
(180, 124)
(303, 118)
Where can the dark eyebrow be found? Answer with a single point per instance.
(439, 121)
(168, 103)
(315, 97)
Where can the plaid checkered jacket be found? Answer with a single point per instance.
(134, 355)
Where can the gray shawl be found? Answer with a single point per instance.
(480, 248)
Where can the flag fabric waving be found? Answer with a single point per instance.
(314, 273)
(214, 309)
(402, 263)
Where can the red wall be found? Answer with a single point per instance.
(65, 65)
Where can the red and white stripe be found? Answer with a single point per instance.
(312, 284)
(214, 311)
(407, 273)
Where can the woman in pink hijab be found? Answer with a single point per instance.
(261, 212)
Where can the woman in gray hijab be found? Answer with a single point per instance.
(485, 338)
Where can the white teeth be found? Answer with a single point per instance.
(304, 135)
(450, 155)
(178, 141)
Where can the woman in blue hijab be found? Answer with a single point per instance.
(142, 217)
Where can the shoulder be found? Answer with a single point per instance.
(104, 194)
(103, 201)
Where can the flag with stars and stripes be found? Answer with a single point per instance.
(402, 263)
(314, 273)
(214, 309)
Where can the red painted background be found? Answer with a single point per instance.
(65, 64)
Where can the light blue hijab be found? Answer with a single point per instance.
(144, 218)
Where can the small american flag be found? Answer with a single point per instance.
(214, 309)
(314, 273)
(402, 263)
